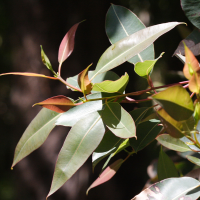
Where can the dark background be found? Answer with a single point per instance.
(27, 24)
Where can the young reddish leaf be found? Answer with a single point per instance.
(67, 44)
(29, 74)
(84, 82)
(58, 104)
(107, 174)
(191, 64)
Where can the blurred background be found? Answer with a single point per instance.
(27, 24)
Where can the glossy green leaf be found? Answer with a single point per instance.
(190, 143)
(108, 145)
(176, 101)
(35, 134)
(171, 125)
(194, 160)
(107, 174)
(172, 143)
(130, 46)
(146, 133)
(145, 68)
(98, 79)
(192, 9)
(166, 167)
(112, 86)
(118, 120)
(138, 114)
(73, 115)
(172, 189)
(45, 60)
(81, 141)
(122, 22)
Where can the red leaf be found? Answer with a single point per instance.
(107, 174)
(58, 104)
(29, 74)
(67, 44)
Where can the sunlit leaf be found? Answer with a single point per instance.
(29, 74)
(146, 133)
(109, 75)
(172, 127)
(112, 86)
(172, 143)
(108, 145)
(67, 44)
(122, 22)
(118, 120)
(194, 160)
(58, 104)
(172, 188)
(84, 82)
(45, 60)
(191, 63)
(191, 9)
(130, 46)
(81, 141)
(166, 167)
(73, 115)
(107, 174)
(145, 68)
(35, 134)
(176, 101)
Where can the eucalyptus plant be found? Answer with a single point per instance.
(101, 127)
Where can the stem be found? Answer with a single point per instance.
(134, 101)
(69, 85)
(151, 84)
(139, 92)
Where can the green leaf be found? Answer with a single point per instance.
(120, 23)
(194, 160)
(118, 120)
(124, 144)
(145, 68)
(130, 46)
(172, 143)
(45, 60)
(176, 101)
(107, 174)
(81, 141)
(191, 9)
(172, 189)
(112, 86)
(98, 79)
(171, 125)
(73, 115)
(166, 168)
(146, 133)
(35, 134)
(138, 114)
(108, 145)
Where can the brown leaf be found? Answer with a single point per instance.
(58, 104)
(84, 82)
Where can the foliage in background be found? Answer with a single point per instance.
(103, 128)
